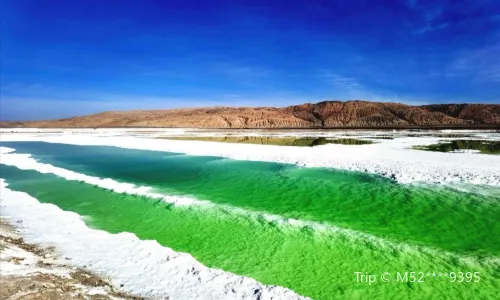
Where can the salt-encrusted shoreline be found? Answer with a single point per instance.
(29, 271)
(26, 162)
(138, 267)
(390, 158)
(142, 267)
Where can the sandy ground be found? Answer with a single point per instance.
(29, 271)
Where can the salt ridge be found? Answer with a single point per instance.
(139, 267)
(389, 158)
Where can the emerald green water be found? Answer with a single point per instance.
(426, 215)
(410, 228)
(319, 265)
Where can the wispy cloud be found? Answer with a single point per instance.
(438, 15)
(240, 73)
(430, 17)
(479, 65)
(231, 95)
(430, 28)
(244, 71)
(350, 88)
(343, 82)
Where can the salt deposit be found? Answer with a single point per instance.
(391, 158)
(140, 267)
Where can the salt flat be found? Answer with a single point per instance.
(149, 266)
(391, 158)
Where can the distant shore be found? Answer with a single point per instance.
(402, 127)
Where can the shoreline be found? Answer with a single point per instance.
(138, 267)
(394, 159)
(477, 127)
(126, 247)
(33, 271)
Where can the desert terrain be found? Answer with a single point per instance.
(326, 114)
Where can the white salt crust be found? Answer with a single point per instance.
(390, 158)
(138, 267)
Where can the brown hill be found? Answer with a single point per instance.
(479, 113)
(322, 114)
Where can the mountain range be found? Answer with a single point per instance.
(326, 114)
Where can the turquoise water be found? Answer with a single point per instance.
(416, 228)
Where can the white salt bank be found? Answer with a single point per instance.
(138, 267)
(391, 158)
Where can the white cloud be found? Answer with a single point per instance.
(343, 82)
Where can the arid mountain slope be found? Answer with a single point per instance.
(364, 113)
(322, 114)
(479, 113)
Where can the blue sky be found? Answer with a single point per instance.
(65, 58)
